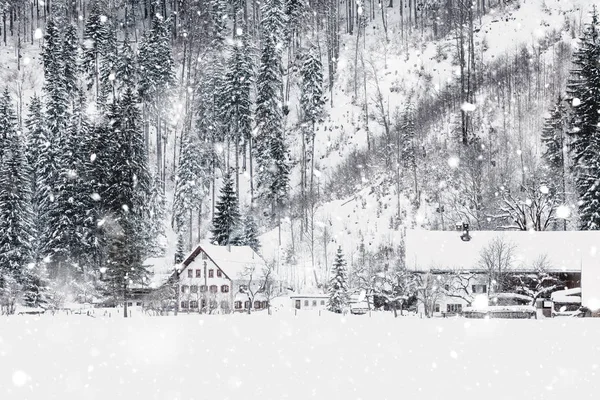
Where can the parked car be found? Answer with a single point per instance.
(360, 307)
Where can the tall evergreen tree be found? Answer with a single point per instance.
(156, 220)
(272, 161)
(250, 234)
(16, 217)
(125, 198)
(584, 90)
(70, 58)
(338, 285)
(226, 222)
(94, 38)
(191, 181)
(125, 67)
(237, 108)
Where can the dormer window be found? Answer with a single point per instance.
(211, 273)
(219, 273)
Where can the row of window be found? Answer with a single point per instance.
(204, 288)
(211, 273)
(193, 304)
(258, 305)
(450, 308)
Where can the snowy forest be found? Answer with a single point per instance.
(135, 129)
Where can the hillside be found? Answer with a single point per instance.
(395, 69)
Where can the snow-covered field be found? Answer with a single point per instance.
(297, 357)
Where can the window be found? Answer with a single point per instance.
(322, 302)
(213, 304)
(314, 303)
(194, 289)
(437, 308)
(298, 304)
(204, 256)
(219, 274)
(454, 308)
(214, 289)
(184, 304)
(247, 304)
(190, 273)
(211, 273)
(184, 288)
(305, 303)
(203, 288)
(203, 303)
(129, 304)
(479, 288)
(257, 305)
(194, 304)
(139, 304)
(198, 273)
(224, 305)
(243, 288)
(264, 304)
(238, 305)
(225, 289)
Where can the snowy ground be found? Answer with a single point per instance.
(302, 357)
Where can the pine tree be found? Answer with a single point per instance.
(272, 162)
(553, 137)
(155, 60)
(16, 217)
(94, 37)
(226, 222)
(125, 197)
(250, 234)
(296, 12)
(156, 220)
(584, 90)
(179, 251)
(237, 86)
(311, 102)
(108, 63)
(70, 58)
(125, 67)
(191, 181)
(311, 99)
(338, 285)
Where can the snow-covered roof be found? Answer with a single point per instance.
(567, 296)
(309, 296)
(234, 261)
(570, 251)
(444, 250)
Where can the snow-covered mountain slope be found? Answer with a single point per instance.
(365, 219)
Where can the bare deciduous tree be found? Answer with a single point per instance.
(496, 259)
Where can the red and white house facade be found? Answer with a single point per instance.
(215, 279)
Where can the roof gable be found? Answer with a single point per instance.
(234, 261)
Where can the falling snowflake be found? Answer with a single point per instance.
(453, 162)
(19, 378)
(563, 212)
(38, 33)
(576, 102)
(544, 189)
(468, 107)
(103, 18)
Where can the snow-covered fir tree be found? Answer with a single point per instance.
(94, 37)
(191, 182)
(338, 285)
(249, 235)
(271, 149)
(584, 90)
(16, 217)
(237, 86)
(70, 59)
(125, 69)
(157, 239)
(226, 222)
